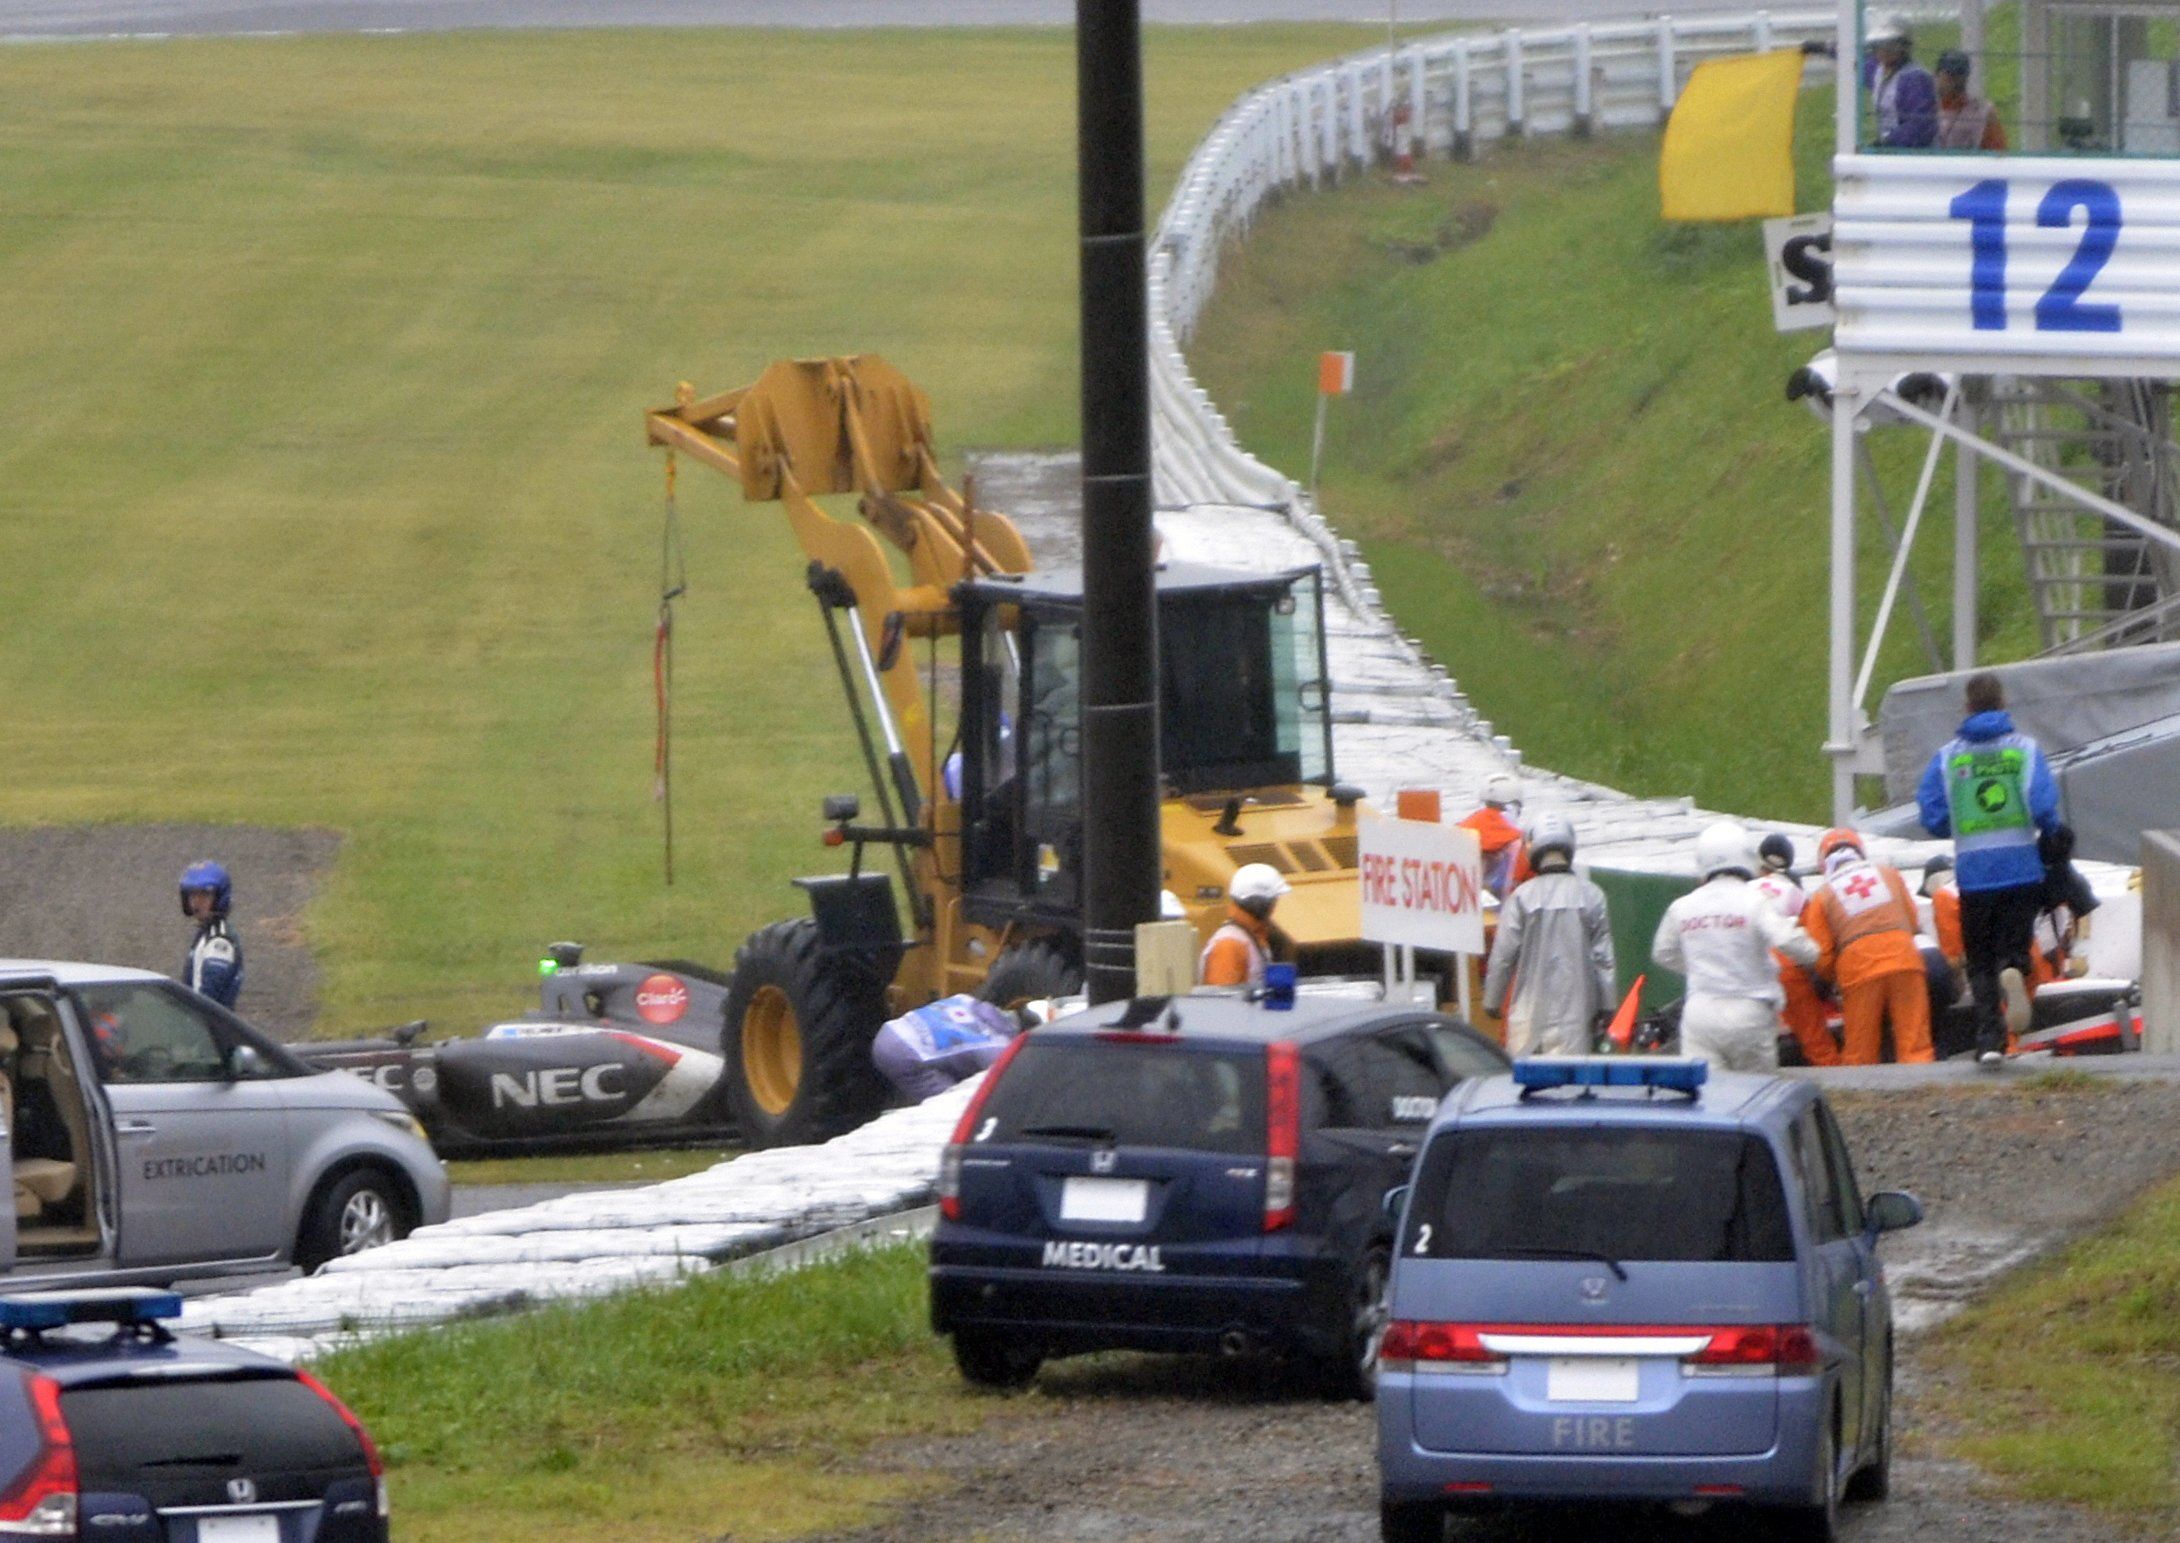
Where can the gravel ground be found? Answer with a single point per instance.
(1128, 1447)
(106, 893)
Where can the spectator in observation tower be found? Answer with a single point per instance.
(1905, 96)
(1965, 122)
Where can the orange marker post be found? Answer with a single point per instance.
(1335, 377)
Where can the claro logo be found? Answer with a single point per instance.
(661, 999)
(557, 1085)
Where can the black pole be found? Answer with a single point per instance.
(1121, 876)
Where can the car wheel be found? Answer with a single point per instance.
(1874, 1480)
(362, 1209)
(1818, 1523)
(987, 1361)
(797, 1038)
(1410, 1521)
(1351, 1371)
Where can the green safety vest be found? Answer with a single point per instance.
(1987, 790)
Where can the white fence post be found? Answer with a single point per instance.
(1332, 125)
(1417, 103)
(1388, 132)
(1305, 128)
(1464, 105)
(1668, 70)
(1514, 112)
(1583, 107)
(1358, 128)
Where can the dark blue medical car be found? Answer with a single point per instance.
(112, 1428)
(1628, 1279)
(1189, 1174)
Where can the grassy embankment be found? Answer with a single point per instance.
(664, 1415)
(1570, 459)
(323, 492)
(2067, 1381)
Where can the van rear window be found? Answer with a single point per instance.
(1683, 1195)
(133, 1436)
(1155, 1095)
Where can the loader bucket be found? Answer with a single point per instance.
(794, 420)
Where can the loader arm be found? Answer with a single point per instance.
(810, 427)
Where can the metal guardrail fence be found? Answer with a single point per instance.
(1460, 92)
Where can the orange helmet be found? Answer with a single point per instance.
(1832, 840)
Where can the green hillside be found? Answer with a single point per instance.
(1570, 458)
(323, 491)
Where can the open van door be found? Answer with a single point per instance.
(59, 1168)
(17, 1005)
(7, 1178)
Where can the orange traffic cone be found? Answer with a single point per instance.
(1621, 1031)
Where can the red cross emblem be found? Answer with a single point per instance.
(1861, 886)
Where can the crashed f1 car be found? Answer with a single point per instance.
(615, 1055)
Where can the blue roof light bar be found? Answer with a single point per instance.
(1672, 1074)
(31, 1311)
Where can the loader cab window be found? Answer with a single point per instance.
(1242, 695)
(1050, 754)
(991, 732)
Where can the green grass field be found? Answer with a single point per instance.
(323, 492)
(2093, 1415)
(1571, 462)
(665, 1414)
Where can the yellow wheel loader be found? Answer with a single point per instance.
(978, 788)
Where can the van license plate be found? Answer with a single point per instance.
(238, 1529)
(1103, 1200)
(1593, 1379)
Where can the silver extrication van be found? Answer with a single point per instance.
(150, 1134)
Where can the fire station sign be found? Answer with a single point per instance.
(1422, 885)
(2020, 264)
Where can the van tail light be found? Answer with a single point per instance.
(1282, 1131)
(41, 1503)
(965, 1132)
(1756, 1350)
(1410, 1346)
(371, 1457)
(1736, 1350)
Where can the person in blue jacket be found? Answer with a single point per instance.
(1991, 790)
(1903, 93)
(214, 965)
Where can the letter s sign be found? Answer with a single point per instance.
(1798, 252)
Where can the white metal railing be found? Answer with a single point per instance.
(1317, 125)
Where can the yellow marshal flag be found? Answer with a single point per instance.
(1729, 146)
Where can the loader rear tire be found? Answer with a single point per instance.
(797, 1039)
(1030, 972)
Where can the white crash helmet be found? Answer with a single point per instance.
(1257, 881)
(1888, 29)
(1501, 789)
(1551, 832)
(1724, 846)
